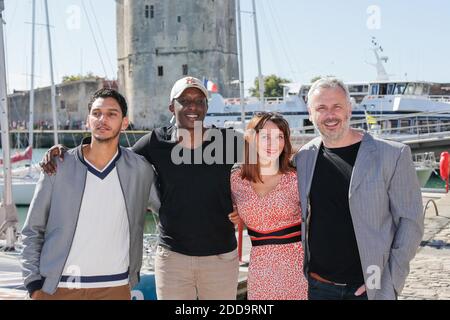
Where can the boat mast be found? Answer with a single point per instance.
(241, 64)
(382, 75)
(53, 90)
(7, 209)
(31, 109)
(258, 55)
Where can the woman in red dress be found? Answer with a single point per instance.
(265, 194)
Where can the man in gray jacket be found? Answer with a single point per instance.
(361, 204)
(83, 236)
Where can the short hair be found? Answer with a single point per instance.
(252, 172)
(328, 83)
(110, 93)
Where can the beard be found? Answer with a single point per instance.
(101, 139)
(333, 135)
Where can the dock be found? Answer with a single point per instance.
(428, 278)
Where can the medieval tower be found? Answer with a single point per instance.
(161, 41)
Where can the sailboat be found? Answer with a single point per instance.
(10, 276)
(26, 177)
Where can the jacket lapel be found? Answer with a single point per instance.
(311, 165)
(363, 162)
(124, 178)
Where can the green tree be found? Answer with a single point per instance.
(78, 77)
(272, 86)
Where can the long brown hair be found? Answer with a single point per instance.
(252, 171)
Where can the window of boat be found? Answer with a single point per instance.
(374, 90)
(383, 89)
(309, 124)
(405, 123)
(400, 88)
(426, 89)
(445, 124)
(353, 89)
(410, 89)
(394, 124)
(433, 125)
(419, 89)
(427, 125)
(358, 89)
(391, 87)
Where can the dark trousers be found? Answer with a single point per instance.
(323, 291)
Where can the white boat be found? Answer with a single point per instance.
(423, 175)
(425, 164)
(22, 190)
(24, 180)
(387, 103)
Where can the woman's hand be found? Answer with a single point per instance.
(234, 217)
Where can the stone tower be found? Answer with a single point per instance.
(161, 41)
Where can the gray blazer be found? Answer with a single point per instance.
(52, 218)
(386, 208)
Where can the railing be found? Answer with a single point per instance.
(427, 159)
(254, 100)
(382, 126)
(436, 210)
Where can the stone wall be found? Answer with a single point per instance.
(162, 41)
(71, 104)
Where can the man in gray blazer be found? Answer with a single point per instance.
(83, 237)
(361, 204)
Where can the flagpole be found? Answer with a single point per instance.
(258, 57)
(8, 211)
(241, 65)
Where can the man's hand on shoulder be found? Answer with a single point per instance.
(48, 164)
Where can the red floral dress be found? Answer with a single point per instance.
(275, 271)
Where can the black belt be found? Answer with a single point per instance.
(288, 234)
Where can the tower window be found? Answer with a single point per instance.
(160, 71)
(152, 12)
(179, 19)
(147, 11)
(185, 70)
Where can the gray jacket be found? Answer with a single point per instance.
(53, 215)
(386, 209)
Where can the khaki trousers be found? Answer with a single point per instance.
(181, 277)
(112, 293)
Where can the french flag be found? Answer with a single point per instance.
(210, 86)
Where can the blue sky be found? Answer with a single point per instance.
(299, 39)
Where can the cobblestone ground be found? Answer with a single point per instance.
(429, 278)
